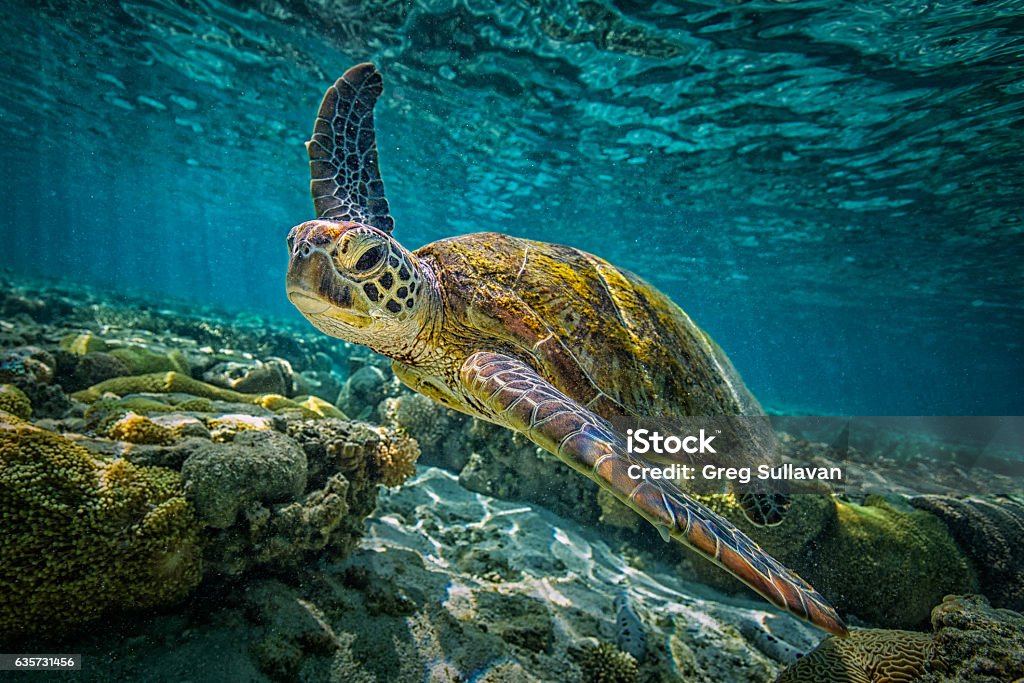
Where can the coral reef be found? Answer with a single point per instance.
(605, 663)
(615, 513)
(865, 656)
(250, 377)
(177, 383)
(422, 418)
(14, 401)
(93, 368)
(991, 533)
(363, 390)
(971, 643)
(395, 460)
(905, 561)
(142, 361)
(324, 517)
(259, 466)
(292, 632)
(84, 537)
(225, 427)
(83, 343)
(139, 429)
(976, 643)
(319, 406)
(32, 369)
(849, 551)
(507, 465)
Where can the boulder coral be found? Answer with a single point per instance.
(285, 528)
(14, 401)
(258, 466)
(852, 552)
(84, 537)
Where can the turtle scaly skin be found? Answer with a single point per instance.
(544, 339)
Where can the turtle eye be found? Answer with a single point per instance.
(371, 258)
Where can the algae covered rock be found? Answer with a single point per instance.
(976, 643)
(93, 368)
(888, 566)
(262, 466)
(84, 537)
(251, 377)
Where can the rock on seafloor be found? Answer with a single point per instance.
(451, 585)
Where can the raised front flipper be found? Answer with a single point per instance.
(515, 396)
(344, 174)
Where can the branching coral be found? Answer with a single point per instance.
(84, 537)
(605, 663)
(396, 458)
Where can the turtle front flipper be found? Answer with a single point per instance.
(344, 173)
(514, 395)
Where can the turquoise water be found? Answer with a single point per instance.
(832, 190)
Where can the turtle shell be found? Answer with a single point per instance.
(599, 333)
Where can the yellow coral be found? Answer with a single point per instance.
(81, 344)
(396, 457)
(14, 401)
(84, 537)
(135, 428)
(179, 383)
(322, 408)
(225, 427)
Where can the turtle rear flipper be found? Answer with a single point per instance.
(516, 396)
(764, 509)
(344, 172)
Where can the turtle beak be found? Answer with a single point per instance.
(307, 305)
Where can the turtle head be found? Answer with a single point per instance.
(355, 282)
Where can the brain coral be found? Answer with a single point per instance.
(868, 656)
(84, 537)
(971, 643)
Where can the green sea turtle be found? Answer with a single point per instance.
(540, 338)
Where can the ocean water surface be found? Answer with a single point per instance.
(832, 190)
